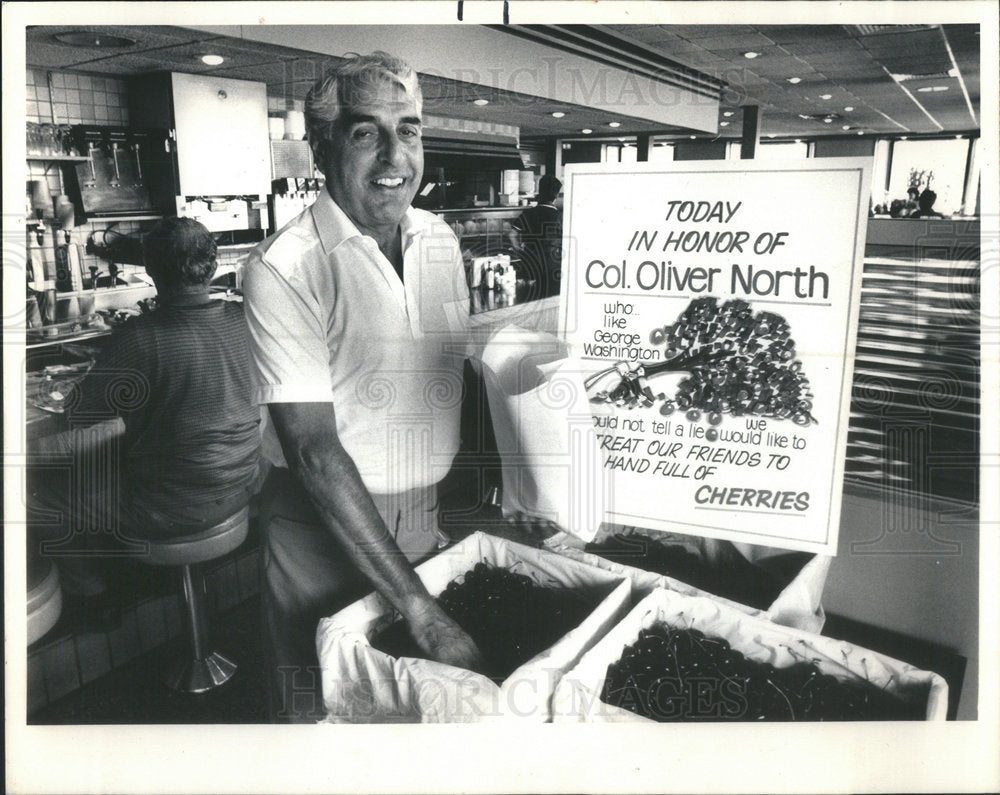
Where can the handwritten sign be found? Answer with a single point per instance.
(714, 307)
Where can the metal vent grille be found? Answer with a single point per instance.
(915, 409)
(291, 159)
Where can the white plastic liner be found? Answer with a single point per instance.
(577, 696)
(798, 605)
(645, 582)
(364, 685)
(552, 467)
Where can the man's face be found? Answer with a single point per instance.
(374, 164)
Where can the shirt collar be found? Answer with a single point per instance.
(333, 226)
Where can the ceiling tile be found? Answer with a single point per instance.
(783, 34)
(692, 32)
(741, 42)
(834, 59)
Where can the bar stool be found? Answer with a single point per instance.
(204, 668)
(44, 597)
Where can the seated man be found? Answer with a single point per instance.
(538, 233)
(166, 411)
(925, 204)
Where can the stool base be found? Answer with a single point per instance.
(200, 676)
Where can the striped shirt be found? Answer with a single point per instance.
(180, 380)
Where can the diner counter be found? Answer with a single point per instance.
(46, 392)
(924, 233)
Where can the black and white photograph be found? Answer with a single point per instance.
(501, 396)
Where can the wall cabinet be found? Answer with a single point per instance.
(220, 125)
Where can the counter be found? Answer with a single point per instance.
(474, 223)
(948, 238)
(484, 232)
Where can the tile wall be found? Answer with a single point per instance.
(77, 98)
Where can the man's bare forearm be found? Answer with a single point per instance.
(308, 434)
(331, 478)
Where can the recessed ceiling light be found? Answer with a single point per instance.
(480, 101)
(794, 80)
(827, 121)
(212, 60)
(932, 89)
(723, 123)
(82, 38)
(798, 140)
(826, 96)
(959, 137)
(751, 54)
(902, 138)
(614, 124)
(771, 135)
(861, 132)
(849, 108)
(586, 131)
(557, 114)
(846, 127)
(692, 137)
(728, 113)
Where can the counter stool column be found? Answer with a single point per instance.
(44, 598)
(202, 668)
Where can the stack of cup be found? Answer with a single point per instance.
(295, 125)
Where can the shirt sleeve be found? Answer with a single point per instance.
(288, 345)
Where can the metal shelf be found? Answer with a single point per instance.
(59, 158)
(112, 220)
(62, 340)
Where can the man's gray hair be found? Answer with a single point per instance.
(353, 82)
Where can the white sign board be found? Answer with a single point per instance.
(714, 307)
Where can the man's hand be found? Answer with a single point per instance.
(444, 640)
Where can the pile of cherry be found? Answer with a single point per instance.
(739, 363)
(735, 579)
(672, 674)
(509, 616)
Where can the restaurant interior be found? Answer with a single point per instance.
(505, 105)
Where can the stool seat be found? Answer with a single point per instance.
(202, 669)
(44, 603)
(203, 545)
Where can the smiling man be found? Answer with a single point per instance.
(358, 314)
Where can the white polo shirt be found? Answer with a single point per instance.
(330, 320)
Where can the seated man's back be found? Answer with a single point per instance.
(179, 379)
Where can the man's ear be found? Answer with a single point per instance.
(214, 268)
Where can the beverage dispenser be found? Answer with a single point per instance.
(128, 171)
